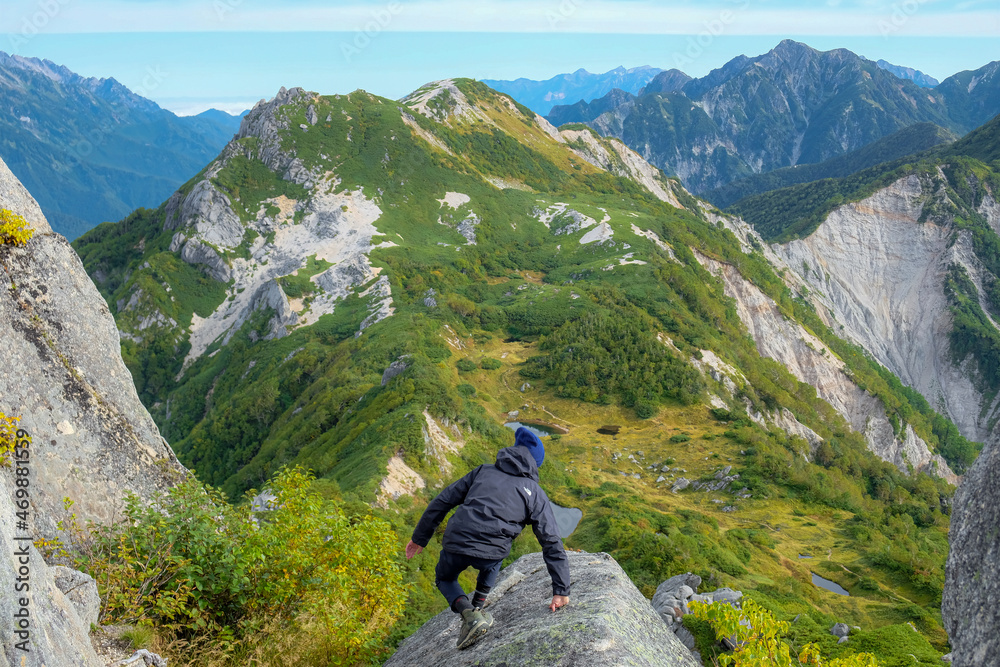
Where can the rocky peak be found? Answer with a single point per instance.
(668, 81)
(441, 101)
(914, 75)
(108, 89)
(607, 623)
(263, 123)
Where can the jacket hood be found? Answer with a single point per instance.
(517, 461)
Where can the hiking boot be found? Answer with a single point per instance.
(474, 625)
(487, 615)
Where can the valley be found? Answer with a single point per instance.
(489, 263)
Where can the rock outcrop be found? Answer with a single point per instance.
(672, 597)
(607, 622)
(91, 438)
(64, 376)
(54, 635)
(972, 574)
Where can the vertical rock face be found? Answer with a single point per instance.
(972, 575)
(63, 374)
(607, 623)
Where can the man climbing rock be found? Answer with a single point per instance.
(495, 503)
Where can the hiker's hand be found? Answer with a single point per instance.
(559, 601)
(412, 549)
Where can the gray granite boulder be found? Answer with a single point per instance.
(81, 590)
(607, 623)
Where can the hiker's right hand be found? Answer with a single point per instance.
(559, 601)
(412, 549)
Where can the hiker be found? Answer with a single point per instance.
(495, 503)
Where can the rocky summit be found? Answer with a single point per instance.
(607, 623)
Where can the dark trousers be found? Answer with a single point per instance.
(451, 565)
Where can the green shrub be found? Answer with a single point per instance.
(721, 414)
(646, 409)
(466, 389)
(195, 567)
(680, 437)
(490, 364)
(466, 365)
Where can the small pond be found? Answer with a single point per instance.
(831, 586)
(567, 519)
(541, 430)
(804, 556)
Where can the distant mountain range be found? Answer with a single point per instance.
(793, 105)
(541, 96)
(90, 149)
(914, 75)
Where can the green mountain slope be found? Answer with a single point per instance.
(371, 288)
(795, 211)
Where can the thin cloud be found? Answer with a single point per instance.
(737, 17)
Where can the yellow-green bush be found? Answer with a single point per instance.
(8, 437)
(204, 573)
(14, 229)
(758, 638)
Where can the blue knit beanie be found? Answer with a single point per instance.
(526, 438)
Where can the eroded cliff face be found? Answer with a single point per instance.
(812, 362)
(877, 276)
(63, 375)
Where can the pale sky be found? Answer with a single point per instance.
(188, 55)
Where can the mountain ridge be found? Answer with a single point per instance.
(829, 103)
(541, 96)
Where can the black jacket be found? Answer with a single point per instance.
(496, 503)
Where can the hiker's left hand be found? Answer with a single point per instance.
(559, 601)
(412, 549)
